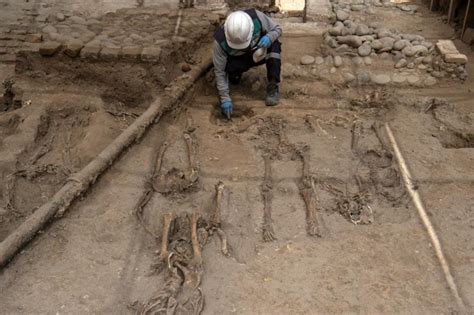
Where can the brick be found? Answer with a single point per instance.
(131, 52)
(110, 53)
(446, 47)
(34, 38)
(30, 48)
(456, 58)
(49, 48)
(3, 50)
(73, 48)
(7, 58)
(90, 52)
(151, 54)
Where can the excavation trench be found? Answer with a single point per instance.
(78, 183)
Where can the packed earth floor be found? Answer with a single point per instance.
(295, 209)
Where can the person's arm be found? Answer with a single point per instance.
(222, 81)
(269, 26)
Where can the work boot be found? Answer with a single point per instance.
(273, 95)
(235, 79)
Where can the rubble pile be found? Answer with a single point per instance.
(408, 51)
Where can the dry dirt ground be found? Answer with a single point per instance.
(100, 259)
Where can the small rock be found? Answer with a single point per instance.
(357, 7)
(49, 48)
(411, 65)
(60, 17)
(401, 63)
(418, 60)
(73, 48)
(427, 60)
(335, 31)
(337, 61)
(131, 52)
(363, 77)
(364, 50)
(342, 15)
(409, 51)
(385, 55)
(351, 40)
(48, 29)
(348, 77)
(437, 74)
(400, 44)
(381, 33)
(368, 61)
(330, 41)
(34, 38)
(110, 53)
(387, 44)
(430, 81)
(333, 70)
(357, 61)
(362, 29)
(77, 20)
(307, 60)
(342, 48)
(151, 54)
(319, 60)
(367, 38)
(380, 79)
(377, 44)
(398, 79)
(420, 50)
(421, 67)
(413, 79)
(413, 37)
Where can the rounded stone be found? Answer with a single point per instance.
(362, 29)
(60, 17)
(413, 79)
(319, 60)
(363, 77)
(400, 44)
(377, 44)
(398, 79)
(333, 70)
(342, 15)
(348, 77)
(422, 67)
(357, 61)
(409, 51)
(368, 60)
(430, 81)
(411, 65)
(307, 60)
(337, 61)
(401, 63)
(387, 44)
(380, 79)
(364, 50)
(427, 60)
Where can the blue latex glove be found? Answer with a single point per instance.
(226, 108)
(265, 41)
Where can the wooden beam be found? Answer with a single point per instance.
(466, 17)
(434, 5)
(451, 10)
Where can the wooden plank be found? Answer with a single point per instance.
(466, 17)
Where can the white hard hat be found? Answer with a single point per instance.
(238, 30)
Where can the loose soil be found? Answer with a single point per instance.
(314, 217)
